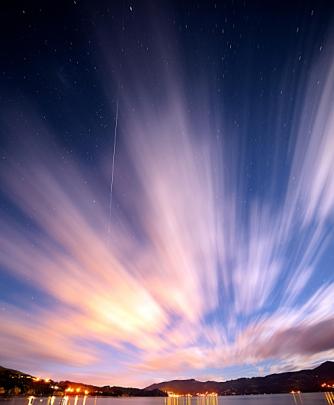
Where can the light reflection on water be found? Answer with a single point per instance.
(326, 398)
(187, 400)
(329, 397)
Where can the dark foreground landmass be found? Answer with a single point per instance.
(13, 382)
(319, 379)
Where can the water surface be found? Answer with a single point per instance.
(277, 399)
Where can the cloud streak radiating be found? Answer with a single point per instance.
(197, 273)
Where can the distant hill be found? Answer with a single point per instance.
(14, 382)
(303, 380)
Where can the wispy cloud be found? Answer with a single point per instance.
(190, 276)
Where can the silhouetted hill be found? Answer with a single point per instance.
(14, 382)
(324, 368)
(303, 380)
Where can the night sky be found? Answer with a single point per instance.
(166, 189)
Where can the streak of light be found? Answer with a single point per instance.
(113, 167)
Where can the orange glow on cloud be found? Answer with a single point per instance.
(163, 293)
